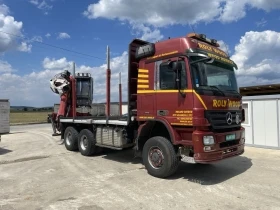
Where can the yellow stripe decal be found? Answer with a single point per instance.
(174, 91)
(164, 91)
(143, 76)
(200, 99)
(184, 124)
(143, 81)
(142, 86)
(143, 70)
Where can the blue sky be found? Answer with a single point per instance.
(89, 26)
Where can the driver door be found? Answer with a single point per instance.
(173, 103)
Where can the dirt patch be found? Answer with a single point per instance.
(23, 159)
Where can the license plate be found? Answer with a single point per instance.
(230, 137)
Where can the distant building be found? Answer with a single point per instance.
(262, 114)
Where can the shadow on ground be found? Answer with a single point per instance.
(123, 156)
(4, 151)
(211, 174)
(204, 174)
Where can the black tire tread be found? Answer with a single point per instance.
(75, 133)
(92, 148)
(173, 157)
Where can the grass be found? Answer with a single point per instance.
(28, 117)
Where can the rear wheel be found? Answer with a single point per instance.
(86, 142)
(159, 157)
(71, 139)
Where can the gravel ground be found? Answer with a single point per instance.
(37, 172)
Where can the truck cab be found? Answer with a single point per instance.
(187, 92)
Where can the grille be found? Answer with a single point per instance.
(229, 143)
(218, 119)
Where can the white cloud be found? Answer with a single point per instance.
(257, 56)
(35, 2)
(42, 5)
(36, 39)
(159, 13)
(11, 28)
(29, 89)
(261, 23)
(5, 67)
(48, 35)
(63, 35)
(266, 5)
(146, 33)
(224, 46)
(24, 47)
(53, 64)
(233, 11)
(4, 9)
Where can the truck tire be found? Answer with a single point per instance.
(159, 157)
(71, 139)
(86, 142)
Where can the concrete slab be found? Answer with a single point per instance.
(37, 172)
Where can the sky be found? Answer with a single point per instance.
(40, 38)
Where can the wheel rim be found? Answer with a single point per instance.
(155, 157)
(84, 142)
(68, 138)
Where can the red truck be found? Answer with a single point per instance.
(183, 105)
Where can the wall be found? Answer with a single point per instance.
(4, 116)
(262, 121)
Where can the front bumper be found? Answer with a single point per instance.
(219, 155)
(222, 149)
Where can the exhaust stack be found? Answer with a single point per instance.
(74, 103)
(120, 93)
(108, 85)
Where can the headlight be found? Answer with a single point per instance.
(208, 140)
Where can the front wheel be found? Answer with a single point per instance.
(86, 142)
(159, 157)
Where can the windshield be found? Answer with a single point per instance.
(214, 78)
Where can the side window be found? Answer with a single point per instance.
(167, 77)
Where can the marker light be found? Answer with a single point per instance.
(202, 36)
(214, 41)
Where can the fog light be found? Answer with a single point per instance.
(208, 140)
(207, 149)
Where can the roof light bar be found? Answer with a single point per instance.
(203, 38)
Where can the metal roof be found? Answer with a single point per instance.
(271, 89)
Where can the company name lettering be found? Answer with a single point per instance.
(225, 103)
(163, 54)
(212, 49)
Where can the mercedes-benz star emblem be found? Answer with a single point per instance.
(229, 118)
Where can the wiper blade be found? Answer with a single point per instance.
(212, 86)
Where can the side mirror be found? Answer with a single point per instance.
(175, 65)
